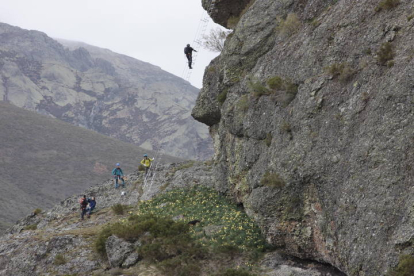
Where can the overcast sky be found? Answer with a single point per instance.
(155, 31)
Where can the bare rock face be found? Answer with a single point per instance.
(315, 134)
(98, 89)
(222, 11)
(117, 250)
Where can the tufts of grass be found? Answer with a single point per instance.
(387, 5)
(385, 53)
(141, 168)
(235, 272)
(31, 227)
(342, 71)
(290, 25)
(258, 89)
(268, 139)
(272, 180)
(284, 89)
(37, 211)
(59, 260)
(221, 98)
(243, 103)
(118, 209)
(405, 267)
(411, 16)
(183, 166)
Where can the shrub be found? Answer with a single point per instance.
(31, 227)
(99, 245)
(405, 266)
(37, 211)
(385, 53)
(59, 260)
(268, 139)
(387, 5)
(290, 25)
(141, 168)
(118, 209)
(275, 83)
(272, 180)
(411, 16)
(221, 98)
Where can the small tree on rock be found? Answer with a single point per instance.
(215, 40)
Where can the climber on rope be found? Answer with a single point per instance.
(118, 174)
(146, 162)
(188, 51)
(83, 204)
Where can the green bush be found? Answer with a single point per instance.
(405, 267)
(141, 168)
(37, 211)
(385, 53)
(276, 83)
(387, 5)
(118, 209)
(99, 245)
(221, 98)
(290, 25)
(59, 260)
(272, 180)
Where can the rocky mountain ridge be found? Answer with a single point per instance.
(310, 106)
(95, 88)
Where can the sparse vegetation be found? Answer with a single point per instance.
(405, 267)
(37, 211)
(284, 89)
(243, 103)
(141, 168)
(258, 89)
(290, 25)
(285, 127)
(215, 40)
(221, 98)
(118, 209)
(59, 260)
(31, 227)
(183, 166)
(232, 22)
(342, 71)
(411, 16)
(272, 180)
(387, 5)
(235, 272)
(385, 53)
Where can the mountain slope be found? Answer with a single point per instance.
(44, 160)
(110, 93)
(310, 105)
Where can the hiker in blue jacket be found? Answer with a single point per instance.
(92, 204)
(118, 174)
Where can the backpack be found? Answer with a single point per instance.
(186, 50)
(83, 202)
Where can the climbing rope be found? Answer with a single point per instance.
(201, 30)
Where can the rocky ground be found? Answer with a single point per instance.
(57, 242)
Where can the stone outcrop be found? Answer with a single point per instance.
(98, 89)
(315, 133)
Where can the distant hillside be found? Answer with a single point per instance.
(44, 160)
(98, 89)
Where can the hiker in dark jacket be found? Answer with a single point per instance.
(92, 204)
(188, 51)
(118, 174)
(83, 204)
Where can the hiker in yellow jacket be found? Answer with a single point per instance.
(146, 162)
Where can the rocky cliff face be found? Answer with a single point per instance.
(100, 90)
(310, 106)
